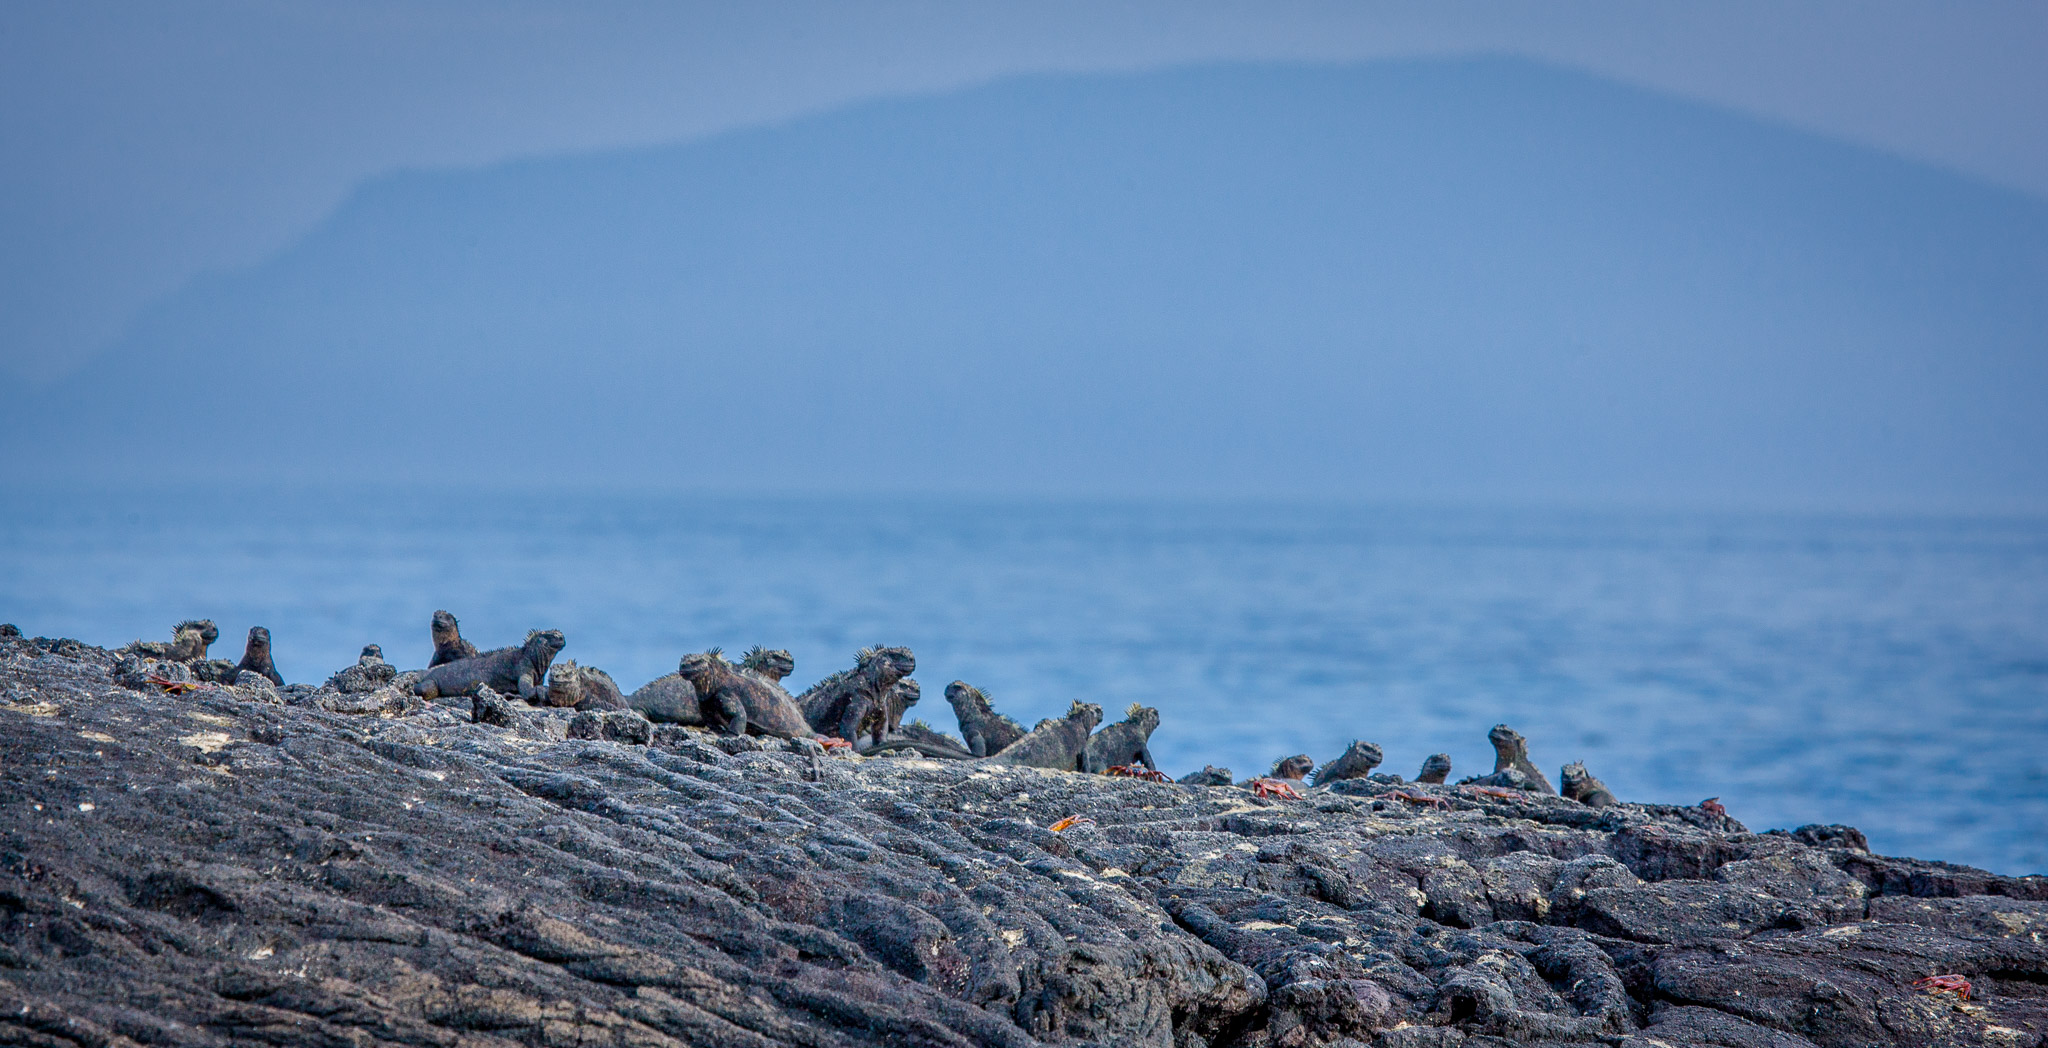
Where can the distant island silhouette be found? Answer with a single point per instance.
(1474, 278)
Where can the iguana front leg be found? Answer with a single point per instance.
(857, 711)
(734, 711)
(533, 690)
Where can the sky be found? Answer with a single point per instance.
(142, 147)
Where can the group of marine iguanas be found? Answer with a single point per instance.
(860, 709)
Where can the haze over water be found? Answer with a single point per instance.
(1889, 672)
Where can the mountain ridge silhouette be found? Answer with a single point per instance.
(1454, 278)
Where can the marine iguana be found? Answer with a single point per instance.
(1581, 786)
(1511, 750)
(1512, 768)
(369, 673)
(1054, 743)
(920, 737)
(448, 643)
(985, 731)
(1210, 775)
(521, 671)
(1435, 768)
(1357, 762)
(668, 699)
(853, 704)
(1122, 743)
(1293, 769)
(919, 731)
(736, 703)
(582, 688)
(256, 657)
(189, 641)
(769, 664)
(901, 697)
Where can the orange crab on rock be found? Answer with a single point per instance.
(1501, 792)
(1070, 822)
(1134, 771)
(1954, 984)
(1281, 788)
(1422, 799)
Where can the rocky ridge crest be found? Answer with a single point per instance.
(233, 865)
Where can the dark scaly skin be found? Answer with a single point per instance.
(1293, 769)
(256, 657)
(1357, 762)
(853, 704)
(521, 671)
(1210, 775)
(668, 699)
(189, 641)
(1055, 744)
(904, 695)
(985, 731)
(1435, 769)
(1122, 743)
(919, 731)
(1581, 786)
(448, 643)
(924, 739)
(738, 703)
(769, 664)
(1512, 751)
(582, 688)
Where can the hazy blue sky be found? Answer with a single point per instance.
(141, 145)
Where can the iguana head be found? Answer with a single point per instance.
(1508, 743)
(909, 691)
(543, 645)
(259, 641)
(773, 663)
(208, 632)
(1295, 767)
(702, 666)
(966, 698)
(445, 628)
(886, 665)
(1086, 712)
(1145, 717)
(565, 684)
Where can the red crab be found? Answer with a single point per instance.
(1954, 984)
(1265, 787)
(1134, 771)
(1070, 822)
(834, 742)
(1500, 792)
(1712, 806)
(1423, 799)
(176, 687)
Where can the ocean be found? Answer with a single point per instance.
(1889, 672)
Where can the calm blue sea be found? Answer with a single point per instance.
(1887, 672)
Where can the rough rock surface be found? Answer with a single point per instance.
(212, 868)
